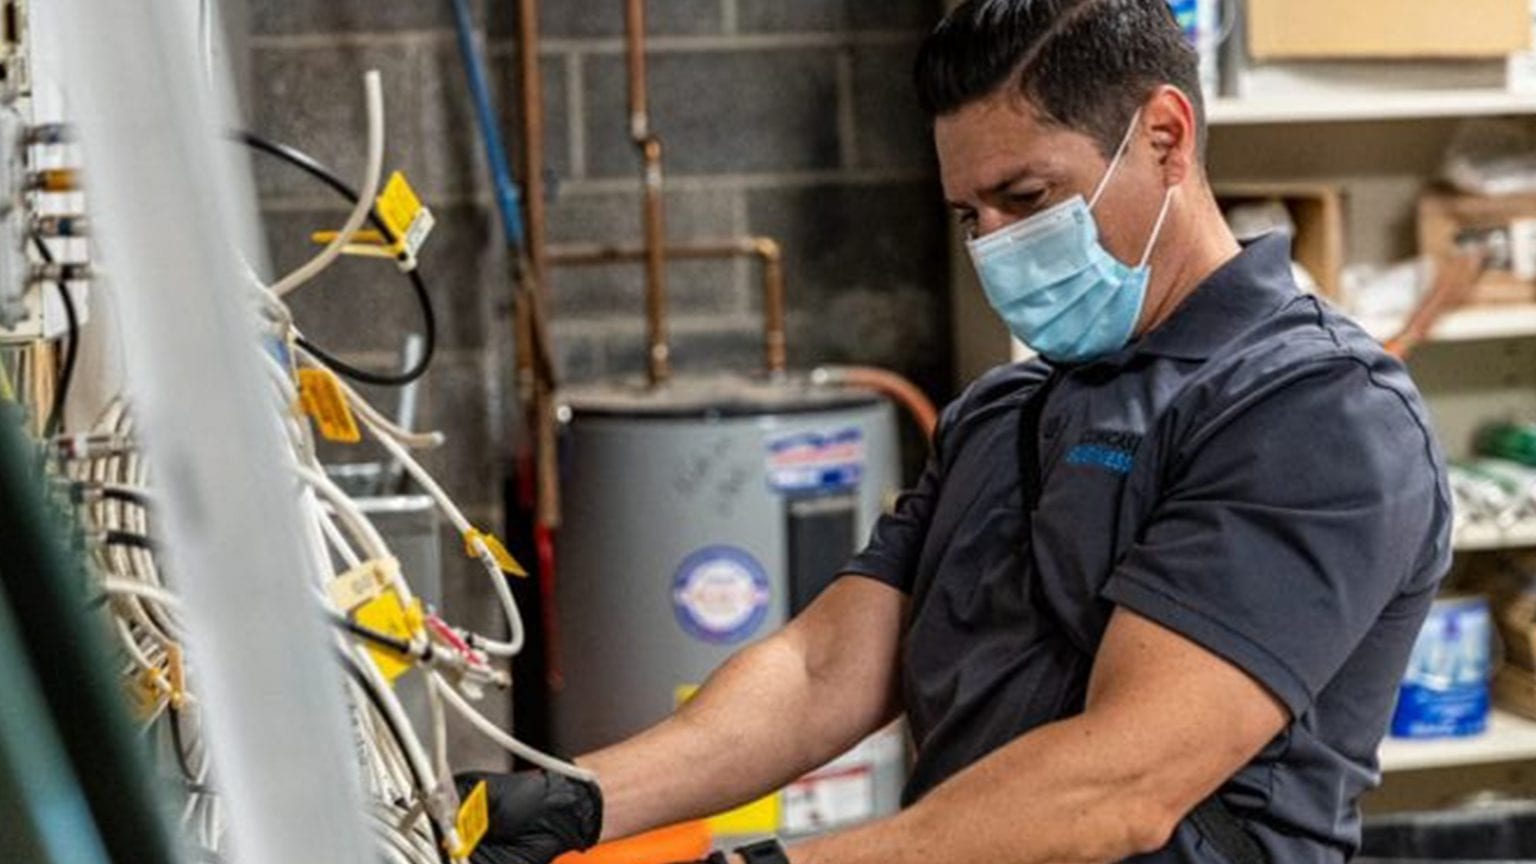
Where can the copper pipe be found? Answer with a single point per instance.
(765, 249)
(885, 382)
(531, 79)
(639, 91)
(658, 353)
(535, 364)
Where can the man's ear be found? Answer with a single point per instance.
(1170, 120)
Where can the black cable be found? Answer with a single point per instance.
(314, 168)
(350, 665)
(173, 714)
(129, 539)
(84, 492)
(55, 422)
(382, 640)
(126, 496)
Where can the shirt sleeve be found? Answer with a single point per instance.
(897, 541)
(1291, 517)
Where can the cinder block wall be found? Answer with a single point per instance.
(791, 118)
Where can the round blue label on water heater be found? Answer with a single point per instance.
(720, 595)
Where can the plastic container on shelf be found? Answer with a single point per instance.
(1446, 692)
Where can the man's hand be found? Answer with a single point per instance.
(535, 817)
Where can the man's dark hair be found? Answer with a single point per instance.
(1086, 65)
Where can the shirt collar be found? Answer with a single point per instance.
(1242, 292)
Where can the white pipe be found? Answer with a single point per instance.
(374, 89)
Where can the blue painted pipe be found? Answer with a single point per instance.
(508, 196)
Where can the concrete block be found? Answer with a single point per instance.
(456, 398)
(867, 271)
(578, 350)
(557, 119)
(364, 305)
(835, 15)
(281, 17)
(721, 112)
(893, 132)
(699, 349)
(312, 98)
(582, 19)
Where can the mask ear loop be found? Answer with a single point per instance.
(1114, 164)
(1157, 230)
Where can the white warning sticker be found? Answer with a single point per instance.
(828, 799)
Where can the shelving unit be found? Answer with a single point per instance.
(1509, 739)
(1484, 538)
(1466, 325)
(1369, 106)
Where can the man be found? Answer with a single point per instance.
(1154, 593)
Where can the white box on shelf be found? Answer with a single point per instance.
(1522, 65)
(1365, 79)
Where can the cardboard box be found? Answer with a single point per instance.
(1317, 210)
(1506, 224)
(1352, 29)
(1511, 592)
(1514, 690)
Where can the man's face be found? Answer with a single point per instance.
(1002, 163)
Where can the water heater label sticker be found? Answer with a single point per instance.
(830, 798)
(816, 461)
(721, 595)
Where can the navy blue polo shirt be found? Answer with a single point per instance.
(1255, 474)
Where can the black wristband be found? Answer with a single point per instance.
(765, 852)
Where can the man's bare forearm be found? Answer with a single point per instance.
(1166, 724)
(775, 711)
(1055, 796)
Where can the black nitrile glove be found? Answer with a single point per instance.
(535, 816)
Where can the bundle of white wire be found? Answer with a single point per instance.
(412, 789)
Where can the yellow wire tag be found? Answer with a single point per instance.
(320, 394)
(504, 559)
(405, 215)
(367, 244)
(388, 616)
(474, 820)
(148, 688)
(362, 583)
(177, 678)
(408, 219)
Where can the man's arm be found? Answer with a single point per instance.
(1167, 722)
(777, 710)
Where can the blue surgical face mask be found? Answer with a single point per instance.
(1055, 285)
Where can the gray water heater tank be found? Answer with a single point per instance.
(699, 518)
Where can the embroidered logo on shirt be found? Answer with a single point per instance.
(1103, 448)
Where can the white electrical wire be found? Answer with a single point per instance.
(439, 733)
(356, 522)
(382, 426)
(494, 732)
(119, 585)
(389, 703)
(406, 738)
(509, 607)
(334, 539)
(374, 91)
